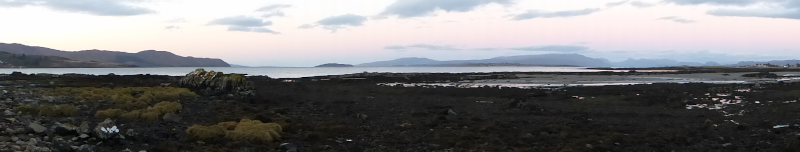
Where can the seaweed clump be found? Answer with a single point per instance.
(205, 132)
(108, 113)
(126, 98)
(26, 109)
(255, 131)
(213, 83)
(245, 130)
(149, 114)
(64, 110)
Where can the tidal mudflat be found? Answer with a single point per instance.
(575, 80)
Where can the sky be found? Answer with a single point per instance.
(298, 33)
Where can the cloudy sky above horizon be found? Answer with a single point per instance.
(313, 32)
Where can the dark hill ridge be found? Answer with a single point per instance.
(9, 60)
(410, 61)
(148, 58)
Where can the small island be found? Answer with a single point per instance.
(335, 65)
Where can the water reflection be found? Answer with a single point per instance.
(535, 85)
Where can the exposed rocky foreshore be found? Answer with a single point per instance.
(214, 111)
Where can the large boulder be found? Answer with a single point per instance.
(106, 129)
(212, 83)
(761, 75)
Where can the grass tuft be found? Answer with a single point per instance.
(26, 109)
(255, 131)
(150, 114)
(153, 113)
(108, 113)
(122, 96)
(168, 107)
(132, 115)
(245, 130)
(205, 132)
(63, 110)
(228, 125)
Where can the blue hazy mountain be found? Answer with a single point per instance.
(774, 62)
(543, 59)
(409, 61)
(637, 63)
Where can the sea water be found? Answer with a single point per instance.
(296, 72)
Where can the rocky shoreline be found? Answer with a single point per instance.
(213, 111)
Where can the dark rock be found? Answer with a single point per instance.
(17, 74)
(312, 137)
(84, 128)
(131, 133)
(263, 118)
(451, 112)
(171, 117)
(126, 142)
(741, 127)
(39, 149)
(61, 147)
(361, 116)
(167, 146)
(37, 127)
(5, 139)
(476, 119)
(65, 130)
(33, 141)
(158, 133)
(761, 75)
(85, 148)
(289, 147)
(237, 144)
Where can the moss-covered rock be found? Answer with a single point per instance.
(213, 83)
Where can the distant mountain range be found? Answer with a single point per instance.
(774, 62)
(334, 65)
(147, 58)
(411, 61)
(659, 63)
(152, 58)
(558, 59)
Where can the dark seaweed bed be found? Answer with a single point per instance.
(358, 115)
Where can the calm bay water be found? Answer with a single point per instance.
(295, 72)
